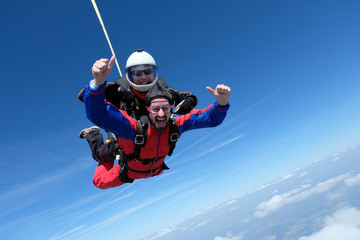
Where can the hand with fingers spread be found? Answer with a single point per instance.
(102, 69)
(221, 93)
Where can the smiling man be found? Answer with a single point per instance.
(145, 146)
(159, 103)
(142, 74)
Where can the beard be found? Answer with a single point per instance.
(160, 124)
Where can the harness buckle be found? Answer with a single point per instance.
(139, 139)
(174, 137)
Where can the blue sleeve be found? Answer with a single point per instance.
(106, 115)
(211, 116)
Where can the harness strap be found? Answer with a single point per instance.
(149, 160)
(144, 161)
(151, 171)
(173, 134)
(123, 172)
(124, 167)
(141, 134)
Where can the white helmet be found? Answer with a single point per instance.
(140, 57)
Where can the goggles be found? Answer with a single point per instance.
(155, 109)
(140, 72)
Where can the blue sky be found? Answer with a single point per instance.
(293, 67)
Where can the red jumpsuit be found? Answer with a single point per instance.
(110, 118)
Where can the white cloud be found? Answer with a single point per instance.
(200, 224)
(286, 176)
(72, 231)
(335, 195)
(282, 178)
(231, 202)
(261, 187)
(344, 225)
(353, 181)
(164, 231)
(296, 195)
(270, 238)
(230, 236)
(319, 160)
(219, 146)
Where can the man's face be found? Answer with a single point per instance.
(142, 74)
(159, 114)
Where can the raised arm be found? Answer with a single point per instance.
(102, 69)
(101, 113)
(221, 93)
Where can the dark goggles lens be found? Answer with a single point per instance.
(140, 72)
(156, 109)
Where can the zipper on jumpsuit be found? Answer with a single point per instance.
(157, 153)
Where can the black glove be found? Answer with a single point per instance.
(184, 106)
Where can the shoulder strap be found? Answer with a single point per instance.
(141, 134)
(173, 134)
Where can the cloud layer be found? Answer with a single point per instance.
(344, 224)
(296, 195)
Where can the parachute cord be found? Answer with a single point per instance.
(106, 35)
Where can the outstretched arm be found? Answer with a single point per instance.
(211, 116)
(102, 69)
(221, 93)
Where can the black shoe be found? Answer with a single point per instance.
(86, 131)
